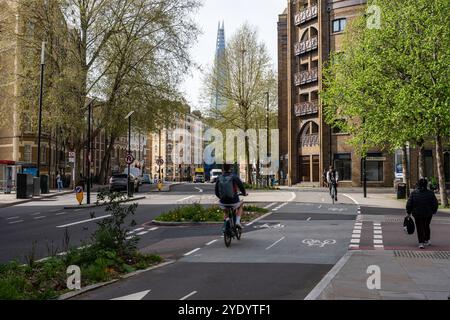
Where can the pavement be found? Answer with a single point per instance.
(10, 199)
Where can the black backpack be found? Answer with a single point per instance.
(408, 225)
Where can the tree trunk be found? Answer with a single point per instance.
(105, 161)
(440, 169)
(421, 160)
(405, 170)
(247, 160)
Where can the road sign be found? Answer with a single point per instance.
(72, 156)
(129, 159)
(79, 194)
(159, 161)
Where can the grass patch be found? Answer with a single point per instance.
(199, 213)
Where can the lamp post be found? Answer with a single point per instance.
(41, 91)
(267, 131)
(88, 186)
(129, 151)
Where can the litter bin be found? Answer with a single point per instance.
(36, 186)
(401, 191)
(44, 183)
(24, 187)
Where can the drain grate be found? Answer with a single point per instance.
(435, 255)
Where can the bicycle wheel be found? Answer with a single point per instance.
(238, 233)
(227, 239)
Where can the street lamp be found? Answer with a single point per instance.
(128, 116)
(267, 128)
(41, 90)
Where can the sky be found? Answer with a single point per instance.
(260, 13)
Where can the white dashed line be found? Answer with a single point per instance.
(153, 229)
(12, 218)
(211, 242)
(40, 217)
(17, 221)
(280, 206)
(191, 252)
(274, 243)
(60, 213)
(142, 233)
(308, 219)
(189, 295)
(377, 236)
(138, 229)
(356, 234)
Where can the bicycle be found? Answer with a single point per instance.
(231, 229)
(333, 191)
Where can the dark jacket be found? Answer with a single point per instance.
(237, 183)
(422, 203)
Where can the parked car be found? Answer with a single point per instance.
(199, 178)
(118, 182)
(147, 179)
(214, 174)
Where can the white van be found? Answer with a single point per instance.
(214, 174)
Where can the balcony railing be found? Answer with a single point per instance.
(309, 140)
(306, 15)
(305, 46)
(304, 77)
(304, 108)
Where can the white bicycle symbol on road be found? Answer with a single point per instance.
(321, 244)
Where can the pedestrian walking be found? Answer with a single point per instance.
(59, 182)
(422, 204)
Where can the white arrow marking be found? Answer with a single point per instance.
(185, 198)
(199, 190)
(134, 296)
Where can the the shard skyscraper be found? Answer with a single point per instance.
(219, 102)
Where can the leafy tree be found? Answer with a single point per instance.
(390, 85)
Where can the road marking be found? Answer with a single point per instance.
(35, 214)
(275, 243)
(153, 229)
(280, 206)
(319, 207)
(142, 233)
(199, 190)
(40, 217)
(134, 296)
(83, 221)
(259, 218)
(377, 231)
(308, 219)
(377, 236)
(60, 213)
(138, 229)
(129, 238)
(292, 197)
(356, 202)
(12, 218)
(355, 240)
(357, 227)
(356, 235)
(186, 198)
(211, 242)
(270, 205)
(189, 295)
(191, 252)
(17, 221)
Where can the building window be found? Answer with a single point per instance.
(343, 165)
(374, 168)
(339, 25)
(27, 153)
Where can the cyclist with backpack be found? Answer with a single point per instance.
(226, 190)
(332, 180)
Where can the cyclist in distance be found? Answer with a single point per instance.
(226, 189)
(332, 180)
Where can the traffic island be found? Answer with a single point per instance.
(196, 214)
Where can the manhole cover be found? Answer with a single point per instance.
(440, 255)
